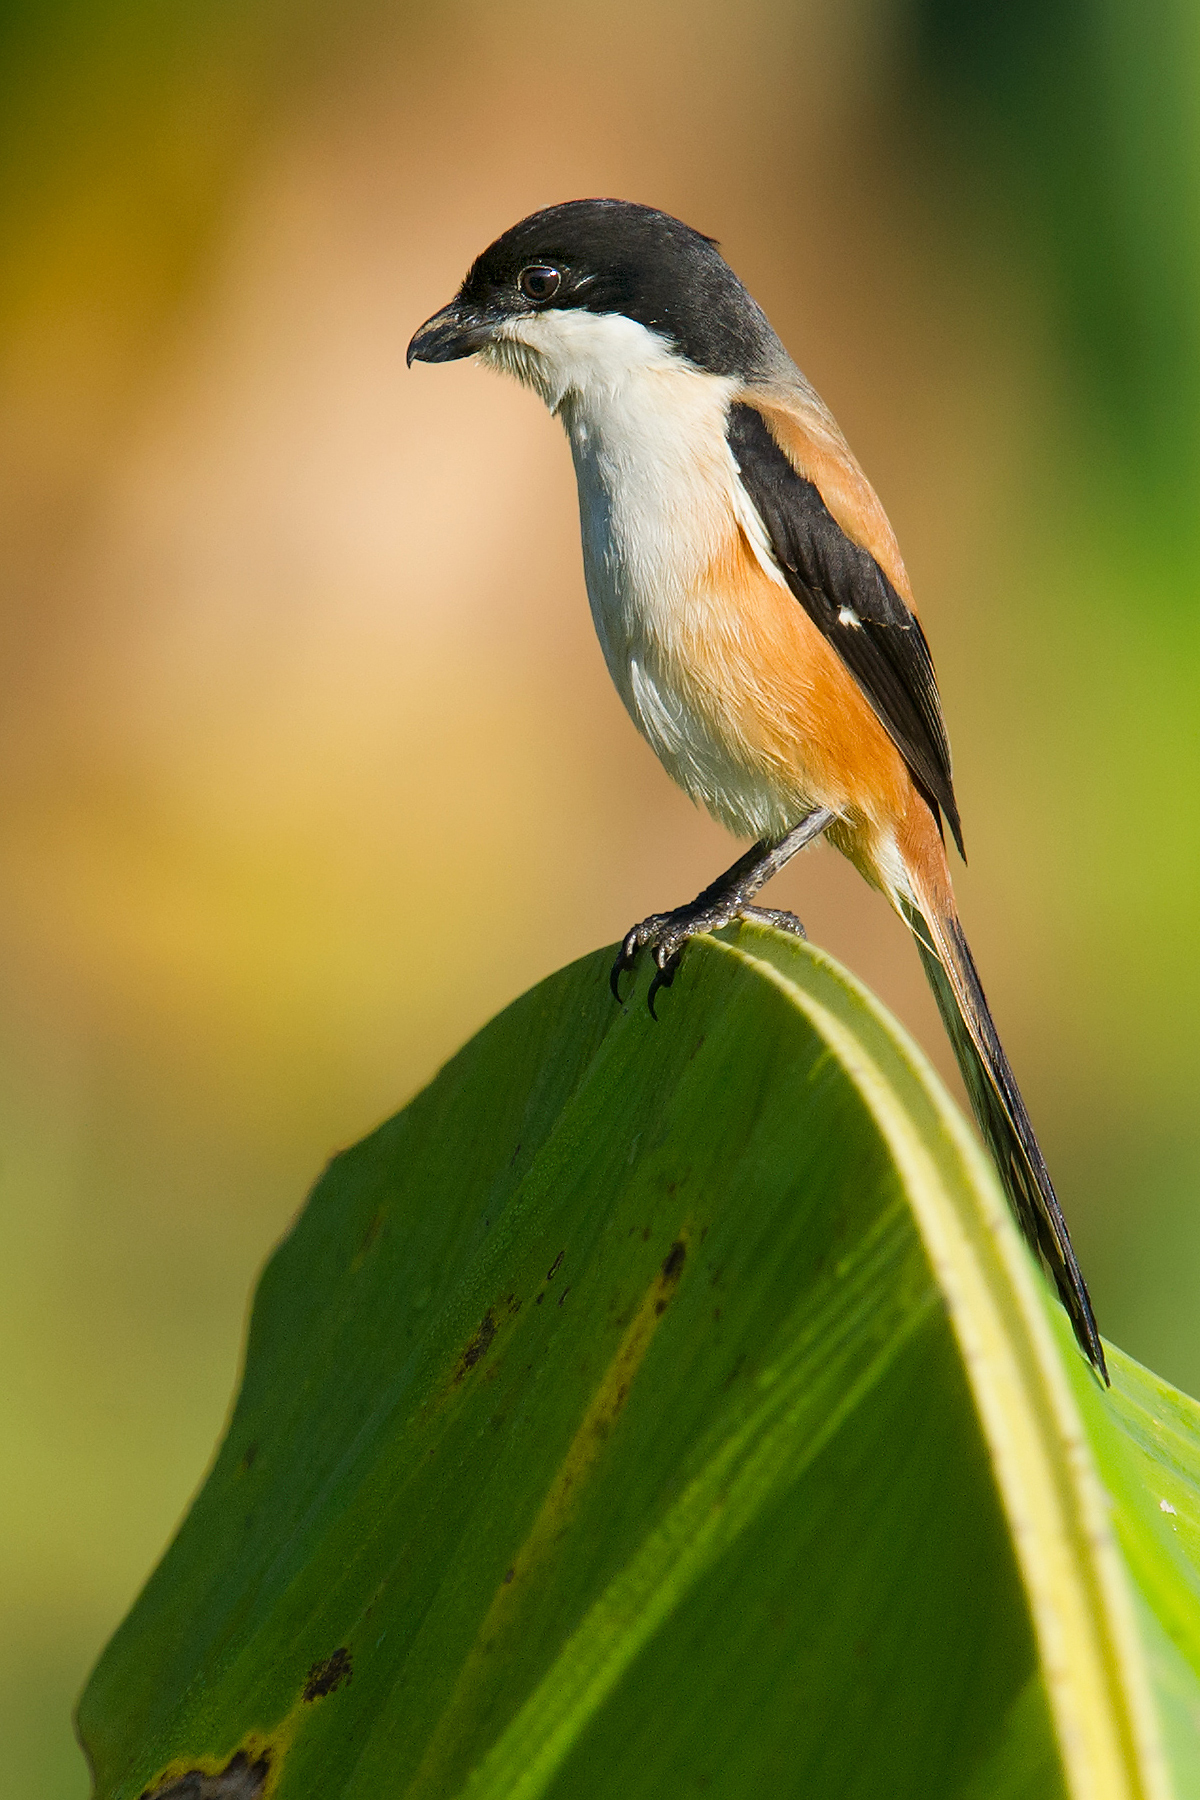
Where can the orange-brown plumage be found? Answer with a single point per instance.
(761, 671)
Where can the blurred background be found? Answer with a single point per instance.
(308, 759)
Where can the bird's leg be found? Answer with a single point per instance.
(725, 899)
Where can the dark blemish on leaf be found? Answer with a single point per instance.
(478, 1344)
(513, 1303)
(672, 1267)
(325, 1677)
(669, 1274)
(541, 1296)
(563, 1295)
(508, 1575)
(555, 1266)
(240, 1779)
(716, 1315)
(512, 1159)
(249, 1455)
(645, 1234)
(370, 1235)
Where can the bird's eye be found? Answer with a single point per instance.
(539, 281)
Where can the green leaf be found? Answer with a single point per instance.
(657, 1410)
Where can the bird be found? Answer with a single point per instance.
(752, 606)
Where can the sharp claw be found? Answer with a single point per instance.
(625, 959)
(666, 940)
(663, 977)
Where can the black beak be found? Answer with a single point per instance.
(455, 331)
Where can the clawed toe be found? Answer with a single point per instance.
(635, 940)
(666, 969)
(666, 935)
(770, 915)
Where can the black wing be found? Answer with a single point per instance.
(853, 604)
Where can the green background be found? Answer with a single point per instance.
(308, 762)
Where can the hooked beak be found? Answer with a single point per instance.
(456, 331)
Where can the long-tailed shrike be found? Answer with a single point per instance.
(752, 605)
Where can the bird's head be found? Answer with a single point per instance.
(591, 289)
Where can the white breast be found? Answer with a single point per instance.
(657, 491)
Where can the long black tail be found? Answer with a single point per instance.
(1000, 1112)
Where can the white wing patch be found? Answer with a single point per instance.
(751, 522)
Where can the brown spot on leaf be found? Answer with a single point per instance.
(478, 1345)
(674, 1260)
(324, 1677)
(240, 1779)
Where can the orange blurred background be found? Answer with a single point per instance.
(308, 758)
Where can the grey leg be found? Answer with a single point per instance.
(725, 899)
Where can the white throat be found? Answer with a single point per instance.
(647, 433)
(574, 351)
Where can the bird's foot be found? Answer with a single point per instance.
(667, 935)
